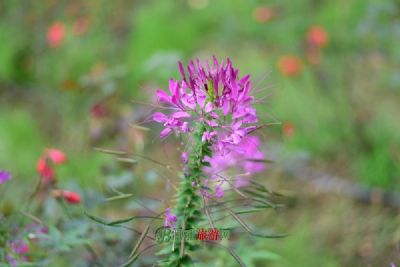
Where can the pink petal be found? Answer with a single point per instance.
(209, 107)
(159, 117)
(212, 123)
(163, 97)
(164, 133)
(173, 86)
(180, 114)
(225, 107)
(219, 192)
(236, 125)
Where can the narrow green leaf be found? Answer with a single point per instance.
(127, 160)
(117, 222)
(110, 151)
(140, 241)
(249, 230)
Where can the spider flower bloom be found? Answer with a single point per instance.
(213, 94)
(4, 176)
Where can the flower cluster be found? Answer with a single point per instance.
(45, 167)
(215, 95)
(18, 249)
(47, 160)
(235, 168)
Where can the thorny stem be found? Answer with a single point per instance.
(188, 200)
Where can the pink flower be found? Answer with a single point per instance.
(210, 93)
(170, 219)
(219, 192)
(19, 247)
(244, 160)
(55, 34)
(4, 176)
(185, 157)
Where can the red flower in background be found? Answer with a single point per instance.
(317, 36)
(290, 65)
(56, 156)
(45, 162)
(45, 170)
(99, 110)
(288, 129)
(55, 34)
(81, 26)
(263, 14)
(71, 197)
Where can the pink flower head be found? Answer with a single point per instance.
(170, 219)
(55, 34)
(210, 93)
(4, 176)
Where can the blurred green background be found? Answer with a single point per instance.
(69, 70)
